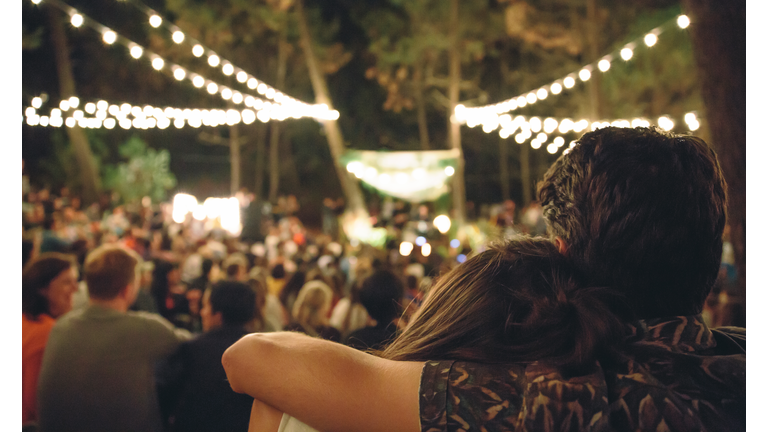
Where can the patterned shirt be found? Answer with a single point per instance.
(670, 375)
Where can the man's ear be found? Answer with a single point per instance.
(562, 246)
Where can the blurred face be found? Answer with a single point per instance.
(59, 292)
(210, 319)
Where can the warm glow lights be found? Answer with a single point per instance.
(158, 63)
(212, 88)
(198, 50)
(242, 77)
(650, 39)
(406, 248)
(568, 81)
(228, 69)
(37, 102)
(179, 74)
(178, 37)
(155, 21)
(198, 81)
(136, 51)
(213, 60)
(442, 223)
(426, 249)
(449, 171)
(76, 20)
(109, 37)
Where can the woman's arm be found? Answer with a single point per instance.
(264, 418)
(326, 385)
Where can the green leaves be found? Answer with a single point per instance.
(146, 173)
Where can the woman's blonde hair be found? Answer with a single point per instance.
(312, 304)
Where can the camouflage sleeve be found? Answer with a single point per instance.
(469, 396)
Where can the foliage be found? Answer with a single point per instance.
(146, 172)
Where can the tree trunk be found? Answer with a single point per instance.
(89, 176)
(234, 159)
(525, 173)
(454, 133)
(718, 35)
(421, 111)
(352, 192)
(593, 51)
(274, 137)
(261, 150)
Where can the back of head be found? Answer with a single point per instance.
(312, 303)
(36, 277)
(518, 301)
(643, 212)
(235, 300)
(109, 269)
(381, 294)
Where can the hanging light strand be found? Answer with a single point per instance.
(214, 60)
(488, 114)
(292, 107)
(102, 114)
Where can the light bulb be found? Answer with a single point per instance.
(198, 50)
(242, 76)
(136, 51)
(569, 82)
(158, 63)
(237, 97)
(531, 98)
(179, 74)
(213, 60)
(556, 88)
(542, 94)
(604, 65)
(228, 69)
(449, 171)
(90, 107)
(212, 88)
(77, 20)
(74, 101)
(626, 54)
(252, 83)
(683, 21)
(585, 74)
(37, 102)
(178, 37)
(155, 21)
(109, 37)
(650, 39)
(226, 93)
(198, 81)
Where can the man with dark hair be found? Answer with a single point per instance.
(381, 294)
(98, 367)
(195, 382)
(640, 212)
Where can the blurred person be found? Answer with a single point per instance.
(169, 294)
(98, 366)
(274, 314)
(310, 312)
(51, 241)
(636, 210)
(195, 379)
(381, 294)
(276, 279)
(236, 267)
(47, 285)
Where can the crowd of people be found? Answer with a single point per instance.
(127, 314)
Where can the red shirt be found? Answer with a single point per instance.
(34, 336)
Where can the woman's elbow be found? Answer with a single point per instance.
(236, 360)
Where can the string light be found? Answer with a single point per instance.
(213, 60)
(584, 73)
(178, 37)
(109, 37)
(228, 69)
(76, 20)
(136, 51)
(37, 102)
(286, 107)
(155, 21)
